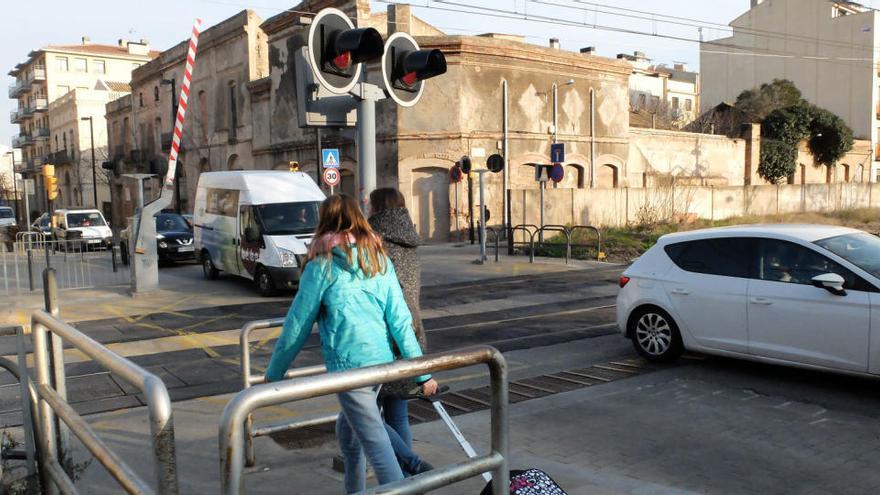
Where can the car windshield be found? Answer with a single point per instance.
(168, 222)
(6, 213)
(288, 218)
(91, 219)
(862, 250)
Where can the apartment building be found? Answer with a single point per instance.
(670, 93)
(53, 71)
(829, 49)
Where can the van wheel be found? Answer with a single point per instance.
(264, 283)
(208, 269)
(655, 335)
(123, 254)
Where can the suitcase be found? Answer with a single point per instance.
(522, 481)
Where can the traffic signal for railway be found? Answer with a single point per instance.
(50, 181)
(405, 67)
(337, 50)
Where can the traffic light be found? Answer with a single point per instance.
(337, 50)
(465, 164)
(115, 167)
(50, 181)
(405, 67)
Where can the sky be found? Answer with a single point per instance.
(34, 23)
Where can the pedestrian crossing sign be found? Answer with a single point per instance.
(330, 157)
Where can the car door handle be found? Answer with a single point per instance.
(761, 300)
(681, 292)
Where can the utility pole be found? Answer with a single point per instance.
(94, 174)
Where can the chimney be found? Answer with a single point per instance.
(399, 19)
(123, 43)
(680, 66)
(141, 47)
(86, 40)
(554, 43)
(590, 50)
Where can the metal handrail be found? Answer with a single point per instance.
(525, 227)
(248, 379)
(599, 253)
(232, 431)
(551, 228)
(52, 402)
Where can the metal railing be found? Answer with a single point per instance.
(80, 263)
(49, 334)
(248, 379)
(497, 236)
(232, 436)
(533, 231)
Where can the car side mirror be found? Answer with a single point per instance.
(251, 235)
(831, 282)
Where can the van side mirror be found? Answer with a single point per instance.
(831, 282)
(251, 234)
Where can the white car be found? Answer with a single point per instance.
(800, 295)
(7, 217)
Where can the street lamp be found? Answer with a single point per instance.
(173, 83)
(94, 175)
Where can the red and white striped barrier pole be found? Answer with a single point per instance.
(181, 108)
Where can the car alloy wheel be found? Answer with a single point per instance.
(264, 283)
(208, 268)
(654, 334)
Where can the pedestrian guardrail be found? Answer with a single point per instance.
(53, 439)
(533, 232)
(249, 379)
(79, 264)
(232, 434)
(497, 236)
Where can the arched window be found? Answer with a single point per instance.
(606, 176)
(233, 113)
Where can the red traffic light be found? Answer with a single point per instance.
(405, 67)
(336, 50)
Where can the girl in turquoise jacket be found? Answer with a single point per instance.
(350, 289)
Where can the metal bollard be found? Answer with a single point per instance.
(30, 256)
(113, 248)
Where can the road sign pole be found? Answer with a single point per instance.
(483, 256)
(541, 232)
(366, 142)
(455, 210)
(27, 208)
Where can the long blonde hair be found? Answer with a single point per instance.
(340, 216)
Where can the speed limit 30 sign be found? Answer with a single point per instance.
(332, 177)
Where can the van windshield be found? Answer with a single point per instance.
(6, 213)
(288, 218)
(93, 219)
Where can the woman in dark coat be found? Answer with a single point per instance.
(390, 219)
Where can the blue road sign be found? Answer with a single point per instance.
(557, 152)
(330, 157)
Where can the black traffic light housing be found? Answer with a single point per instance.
(336, 50)
(114, 166)
(465, 164)
(405, 67)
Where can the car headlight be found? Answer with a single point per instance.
(163, 244)
(160, 236)
(288, 258)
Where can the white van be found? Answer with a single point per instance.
(81, 229)
(256, 224)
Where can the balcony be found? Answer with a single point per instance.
(39, 105)
(38, 74)
(41, 134)
(59, 158)
(21, 140)
(19, 88)
(16, 116)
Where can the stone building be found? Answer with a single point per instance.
(219, 122)
(242, 114)
(53, 71)
(828, 48)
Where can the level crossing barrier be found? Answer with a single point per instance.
(232, 434)
(249, 379)
(53, 436)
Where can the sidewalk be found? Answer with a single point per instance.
(182, 287)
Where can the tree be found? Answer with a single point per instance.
(830, 137)
(778, 160)
(757, 103)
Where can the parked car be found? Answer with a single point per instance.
(800, 295)
(7, 217)
(81, 229)
(174, 239)
(256, 224)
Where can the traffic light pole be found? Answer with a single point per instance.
(367, 96)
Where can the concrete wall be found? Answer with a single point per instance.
(705, 159)
(618, 207)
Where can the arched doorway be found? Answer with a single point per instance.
(232, 163)
(574, 177)
(845, 168)
(430, 203)
(607, 176)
